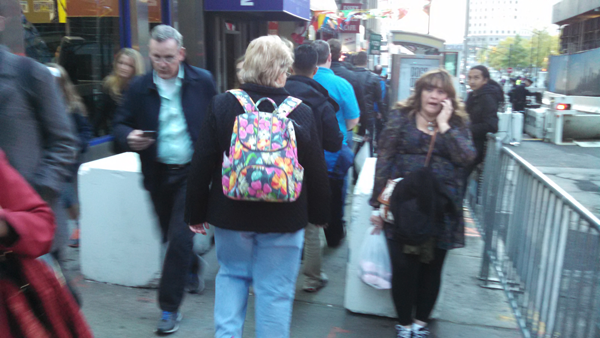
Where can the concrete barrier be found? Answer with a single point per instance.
(120, 236)
(360, 297)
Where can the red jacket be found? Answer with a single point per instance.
(32, 229)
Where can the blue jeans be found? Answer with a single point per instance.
(270, 262)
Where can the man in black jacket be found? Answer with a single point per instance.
(314, 95)
(482, 107)
(160, 119)
(302, 86)
(339, 69)
(518, 95)
(371, 89)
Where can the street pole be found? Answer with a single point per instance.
(466, 41)
(429, 17)
(510, 56)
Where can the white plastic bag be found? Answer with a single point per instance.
(374, 266)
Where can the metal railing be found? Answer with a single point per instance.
(543, 245)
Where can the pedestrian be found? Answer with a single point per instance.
(518, 95)
(302, 86)
(371, 88)
(128, 63)
(160, 119)
(381, 109)
(258, 243)
(83, 129)
(35, 131)
(482, 106)
(345, 70)
(33, 303)
(339, 162)
(416, 270)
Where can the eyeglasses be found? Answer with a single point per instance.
(288, 74)
(159, 59)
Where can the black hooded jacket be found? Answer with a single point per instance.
(371, 89)
(482, 107)
(323, 106)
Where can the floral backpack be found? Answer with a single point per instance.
(263, 159)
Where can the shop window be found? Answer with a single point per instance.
(82, 36)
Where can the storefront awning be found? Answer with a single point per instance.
(272, 10)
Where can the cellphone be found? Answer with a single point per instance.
(149, 133)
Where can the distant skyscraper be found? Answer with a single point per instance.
(491, 21)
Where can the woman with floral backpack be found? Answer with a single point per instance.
(259, 176)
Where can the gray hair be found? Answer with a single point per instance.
(163, 33)
(323, 50)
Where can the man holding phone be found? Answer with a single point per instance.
(160, 119)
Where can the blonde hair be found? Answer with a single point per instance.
(438, 78)
(115, 85)
(72, 99)
(266, 59)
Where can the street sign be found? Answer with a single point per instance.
(352, 26)
(509, 70)
(375, 44)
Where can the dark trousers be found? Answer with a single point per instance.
(334, 233)
(415, 285)
(169, 203)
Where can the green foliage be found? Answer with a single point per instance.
(520, 53)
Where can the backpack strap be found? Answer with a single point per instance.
(244, 99)
(288, 106)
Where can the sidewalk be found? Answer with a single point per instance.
(464, 310)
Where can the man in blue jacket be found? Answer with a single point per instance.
(160, 119)
(339, 162)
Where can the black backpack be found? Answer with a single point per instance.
(418, 204)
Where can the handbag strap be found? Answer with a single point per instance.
(431, 145)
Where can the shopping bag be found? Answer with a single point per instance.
(375, 268)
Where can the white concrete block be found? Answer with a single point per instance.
(360, 297)
(120, 235)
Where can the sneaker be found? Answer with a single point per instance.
(74, 240)
(169, 322)
(422, 333)
(403, 332)
(195, 283)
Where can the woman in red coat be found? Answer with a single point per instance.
(26, 232)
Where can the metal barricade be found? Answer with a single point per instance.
(543, 245)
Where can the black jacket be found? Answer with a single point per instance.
(141, 107)
(340, 70)
(323, 106)
(371, 89)
(518, 97)
(205, 199)
(482, 107)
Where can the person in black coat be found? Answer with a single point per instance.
(258, 243)
(160, 119)
(482, 107)
(371, 88)
(302, 86)
(518, 95)
(338, 67)
(314, 95)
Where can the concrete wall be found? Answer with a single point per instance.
(568, 9)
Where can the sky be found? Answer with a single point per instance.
(448, 18)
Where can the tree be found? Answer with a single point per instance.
(540, 46)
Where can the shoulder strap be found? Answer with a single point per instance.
(431, 145)
(244, 99)
(288, 106)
